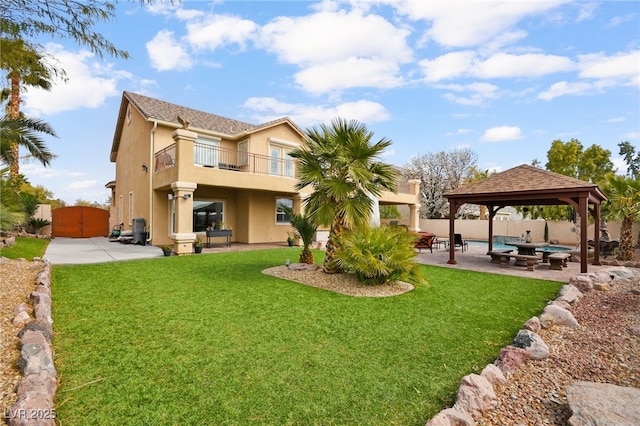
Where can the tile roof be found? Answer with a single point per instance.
(168, 112)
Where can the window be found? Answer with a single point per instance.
(172, 215)
(207, 214)
(120, 211)
(283, 207)
(243, 153)
(205, 152)
(281, 163)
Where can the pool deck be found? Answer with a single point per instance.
(475, 258)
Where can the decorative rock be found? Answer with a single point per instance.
(560, 316)
(601, 286)
(569, 293)
(532, 343)
(21, 319)
(451, 417)
(511, 358)
(21, 307)
(581, 282)
(40, 326)
(35, 355)
(29, 410)
(635, 291)
(493, 374)
(42, 311)
(475, 395)
(40, 297)
(38, 383)
(621, 273)
(547, 321)
(634, 330)
(304, 267)
(602, 404)
(562, 304)
(532, 324)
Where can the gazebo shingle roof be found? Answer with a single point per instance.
(523, 183)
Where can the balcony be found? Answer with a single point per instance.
(214, 157)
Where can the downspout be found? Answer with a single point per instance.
(152, 171)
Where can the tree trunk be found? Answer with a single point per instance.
(625, 250)
(14, 113)
(337, 228)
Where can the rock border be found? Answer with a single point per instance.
(37, 389)
(476, 393)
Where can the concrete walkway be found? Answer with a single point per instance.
(61, 251)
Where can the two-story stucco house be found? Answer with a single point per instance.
(180, 171)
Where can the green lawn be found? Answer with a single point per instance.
(208, 339)
(25, 248)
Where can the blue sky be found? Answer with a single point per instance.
(504, 79)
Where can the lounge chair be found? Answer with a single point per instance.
(459, 242)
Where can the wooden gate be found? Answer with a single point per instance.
(80, 222)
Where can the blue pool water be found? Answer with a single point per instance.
(484, 244)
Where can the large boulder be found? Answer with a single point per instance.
(475, 395)
(555, 315)
(511, 358)
(532, 324)
(451, 417)
(532, 343)
(493, 374)
(603, 404)
(570, 294)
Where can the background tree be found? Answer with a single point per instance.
(571, 159)
(24, 132)
(632, 159)
(439, 173)
(342, 165)
(623, 205)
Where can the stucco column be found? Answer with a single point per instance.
(414, 217)
(184, 151)
(183, 237)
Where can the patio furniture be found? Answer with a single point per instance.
(497, 255)
(459, 242)
(526, 249)
(424, 240)
(557, 261)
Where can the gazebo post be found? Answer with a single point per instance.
(596, 217)
(453, 209)
(584, 248)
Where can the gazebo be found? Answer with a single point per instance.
(526, 185)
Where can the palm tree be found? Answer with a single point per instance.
(341, 165)
(22, 132)
(26, 66)
(623, 205)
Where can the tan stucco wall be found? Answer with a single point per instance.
(562, 231)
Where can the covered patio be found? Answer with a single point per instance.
(526, 185)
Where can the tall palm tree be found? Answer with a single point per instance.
(23, 132)
(25, 66)
(342, 166)
(623, 205)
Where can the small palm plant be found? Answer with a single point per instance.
(379, 255)
(304, 229)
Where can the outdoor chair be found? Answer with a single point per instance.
(424, 240)
(459, 242)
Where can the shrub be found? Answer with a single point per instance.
(379, 255)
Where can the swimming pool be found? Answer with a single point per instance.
(485, 244)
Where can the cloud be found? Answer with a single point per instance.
(219, 30)
(563, 88)
(338, 49)
(267, 109)
(166, 54)
(84, 184)
(475, 93)
(352, 72)
(502, 133)
(466, 24)
(623, 66)
(500, 65)
(90, 83)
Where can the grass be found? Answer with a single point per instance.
(25, 248)
(208, 339)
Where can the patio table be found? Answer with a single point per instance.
(525, 249)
